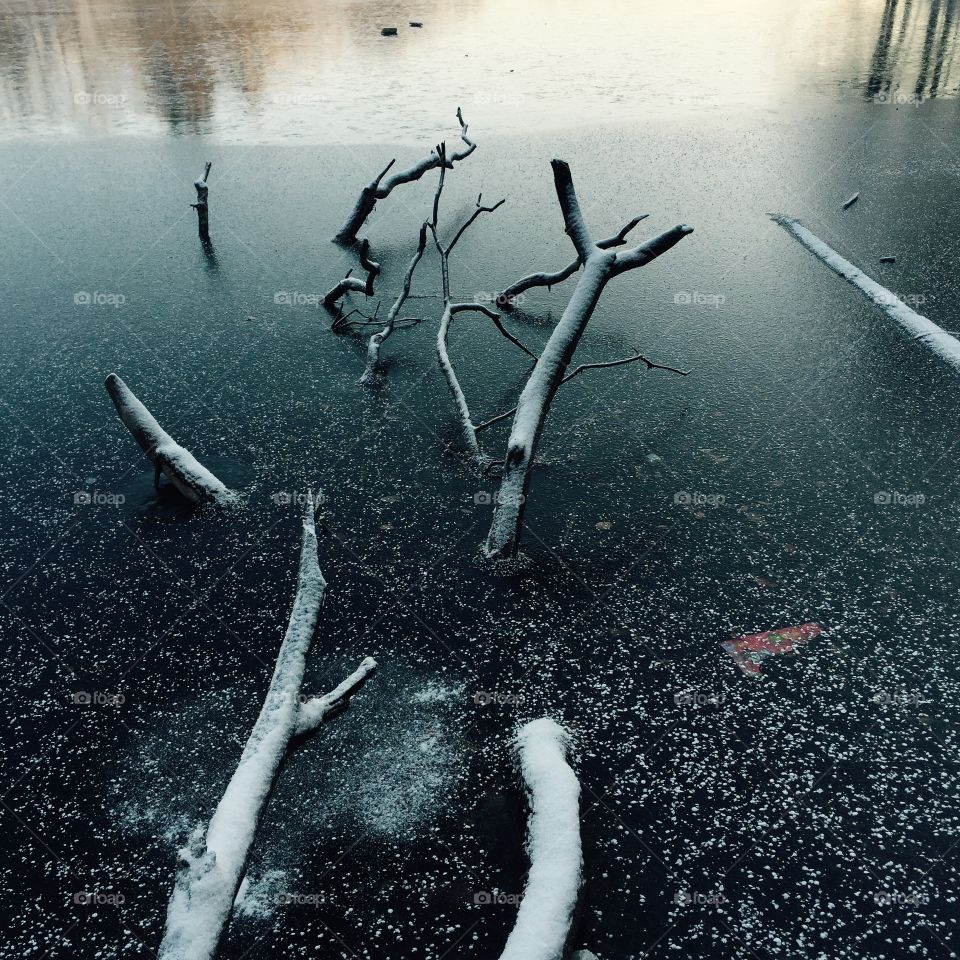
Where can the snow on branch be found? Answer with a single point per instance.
(553, 844)
(510, 294)
(315, 711)
(919, 327)
(213, 864)
(467, 429)
(350, 282)
(203, 219)
(377, 339)
(599, 266)
(380, 188)
(184, 471)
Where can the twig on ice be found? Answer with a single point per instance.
(553, 841)
(380, 188)
(315, 711)
(599, 266)
(206, 885)
(510, 294)
(649, 364)
(184, 471)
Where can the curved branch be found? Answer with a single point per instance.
(350, 282)
(377, 340)
(468, 431)
(650, 365)
(371, 266)
(380, 188)
(553, 842)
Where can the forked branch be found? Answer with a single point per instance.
(511, 293)
(550, 371)
(381, 186)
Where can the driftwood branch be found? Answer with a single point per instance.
(553, 842)
(915, 325)
(511, 293)
(467, 429)
(213, 863)
(599, 266)
(378, 339)
(636, 358)
(184, 471)
(382, 186)
(317, 710)
(350, 282)
(203, 216)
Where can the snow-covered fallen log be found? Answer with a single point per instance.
(553, 844)
(207, 884)
(917, 326)
(184, 471)
(510, 294)
(380, 188)
(599, 266)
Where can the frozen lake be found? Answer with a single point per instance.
(804, 472)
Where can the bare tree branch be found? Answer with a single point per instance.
(212, 865)
(203, 212)
(550, 370)
(380, 188)
(350, 282)
(510, 294)
(650, 365)
(378, 339)
(188, 476)
(467, 428)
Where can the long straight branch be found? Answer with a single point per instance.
(213, 863)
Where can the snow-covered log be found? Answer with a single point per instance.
(203, 218)
(510, 294)
(380, 188)
(213, 864)
(180, 466)
(553, 844)
(377, 339)
(917, 326)
(599, 266)
(350, 282)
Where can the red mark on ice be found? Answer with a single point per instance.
(750, 650)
